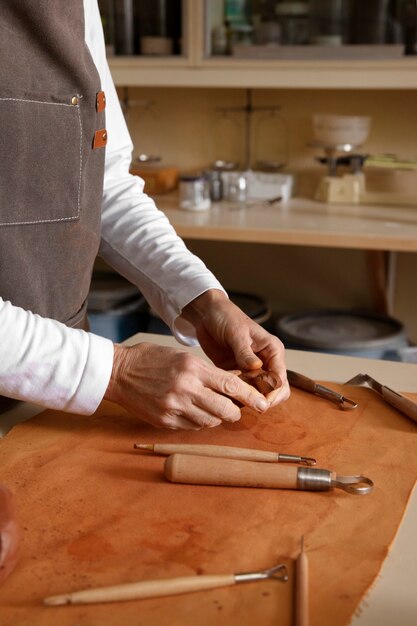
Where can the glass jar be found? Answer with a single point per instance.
(241, 35)
(194, 193)
(267, 33)
(329, 22)
(293, 20)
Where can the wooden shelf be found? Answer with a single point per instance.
(300, 222)
(243, 73)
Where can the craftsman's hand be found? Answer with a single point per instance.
(173, 388)
(233, 341)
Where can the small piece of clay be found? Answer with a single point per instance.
(9, 533)
(263, 381)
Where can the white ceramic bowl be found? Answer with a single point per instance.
(340, 129)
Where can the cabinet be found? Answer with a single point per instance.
(195, 68)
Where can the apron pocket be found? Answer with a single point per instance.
(40, 160)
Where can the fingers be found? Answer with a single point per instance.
(247, 359)
(283, 392)
(279, 395)
(196, 421)
(232, 386)
(202, 392)
(177, 390)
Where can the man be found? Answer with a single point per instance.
(66, 196)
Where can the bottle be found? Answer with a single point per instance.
(123, 26)
(370, 20)
(408, 14)
(106, 8)
(220, 40)
(215, 183)
(236, 12)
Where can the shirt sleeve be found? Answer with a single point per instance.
(47, 363)
(137, 239)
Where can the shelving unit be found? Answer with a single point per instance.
(195, 69)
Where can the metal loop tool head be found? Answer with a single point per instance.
(358, 485)
(344, 403)
(278, 572)
(312, 479)
(347, 404)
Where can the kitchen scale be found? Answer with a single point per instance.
(339, 137)
(352, 187)
(348, 188)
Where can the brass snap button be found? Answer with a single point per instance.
(74, 100)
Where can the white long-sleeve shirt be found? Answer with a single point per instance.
(43, 361)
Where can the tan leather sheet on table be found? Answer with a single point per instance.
(95, 512)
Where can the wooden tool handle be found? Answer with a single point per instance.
(200, 470)
(245, 454)
(9, 533)
(301, 591)
(301, 381)
(142, 590)
(403, 404)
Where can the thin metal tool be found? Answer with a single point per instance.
(225, 452)
(395, 399)
(310, 385)
(200, 470)
(165, 587)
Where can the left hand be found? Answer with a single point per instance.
(233, 341)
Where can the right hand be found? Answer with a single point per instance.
(173, 388)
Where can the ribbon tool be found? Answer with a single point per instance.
(165, 587)
(401, 403)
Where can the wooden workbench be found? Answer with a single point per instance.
(394, 592)
(393, 598)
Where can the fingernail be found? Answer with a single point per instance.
(262, 404)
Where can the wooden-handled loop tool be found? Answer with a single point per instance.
(165, 587)
(225, 452)
(200, 470)
(307, 384)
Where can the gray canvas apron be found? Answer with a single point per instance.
(51, 172)
(51, 178)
